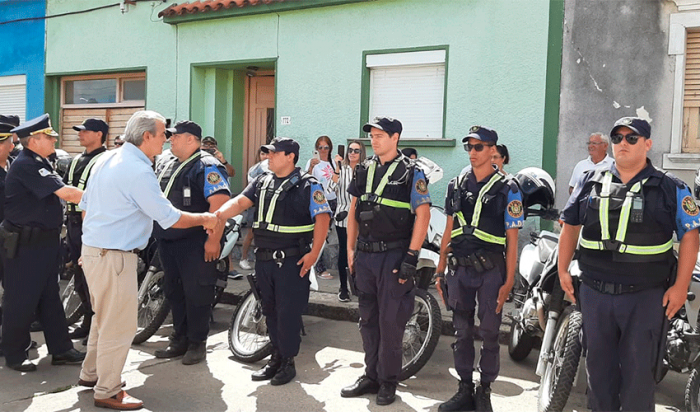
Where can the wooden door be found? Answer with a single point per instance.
(261, 117)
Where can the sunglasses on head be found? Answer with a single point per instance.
(631, 138)
(478, 147)
(351, 151)
(323, 148)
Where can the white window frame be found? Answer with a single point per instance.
(687, 19)
(434, 57)
(17, 80)
(119, 77)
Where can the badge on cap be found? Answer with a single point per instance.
(474, 129)
(626, 120)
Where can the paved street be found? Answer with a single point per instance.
(330, 358)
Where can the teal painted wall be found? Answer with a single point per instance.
(496, 65)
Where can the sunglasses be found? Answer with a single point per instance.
(478, 147)
(355, 151)
(117, 144)
(631, 138)
(323, 148)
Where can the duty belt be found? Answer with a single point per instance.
(278, 255)
(32, 234)
(380, 246)
(610, 288)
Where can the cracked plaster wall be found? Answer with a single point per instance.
(615, 63)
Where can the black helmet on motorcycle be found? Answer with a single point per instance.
(537, 187)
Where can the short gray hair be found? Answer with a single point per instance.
(604, 137)
(141, 122)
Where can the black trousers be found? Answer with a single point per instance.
(74, 229)
(285, 296)
(622, 335)
(31, 286)
(385, 307)
(342, 257)
(190, 282)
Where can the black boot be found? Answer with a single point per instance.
(387, 393)
(196, 352)
(177, 347)
(463, 400)
(363, 385)
(286, 372)
(268, 371)
(483, 398)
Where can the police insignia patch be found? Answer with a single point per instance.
(515, 209)
(421, 187)
(689, 206)
(319, 197)
(213, 178)
(43, 172)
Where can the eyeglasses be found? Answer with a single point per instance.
(323, 148)
(478, 147)
(355, 151)
(631, 138)
(595, 143)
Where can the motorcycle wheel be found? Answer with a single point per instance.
(692, 392)
(520, 343)
(421, 334)
(247, 334)
(152, 309)
(72, 305)
(560, 372)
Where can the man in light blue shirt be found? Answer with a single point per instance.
(120, 205)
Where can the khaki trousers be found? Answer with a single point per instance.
(111, 277)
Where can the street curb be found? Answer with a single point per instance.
(326, 305)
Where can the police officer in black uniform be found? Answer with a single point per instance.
(626, 216)
(291, 214)
(194, 181)
(14, 121)
(484, 212)
(31, 246)
(92, 135)
(390, 212)
(5, 148)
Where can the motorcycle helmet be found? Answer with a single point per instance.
(696, 185)
(537, 187)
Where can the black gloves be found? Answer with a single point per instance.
(407, 267)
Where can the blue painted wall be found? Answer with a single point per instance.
(22, 48)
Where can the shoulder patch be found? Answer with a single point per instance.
(319, 197)
(689, 206)
(515, 209)
(421, 186)
(213, 178)
(43, 172)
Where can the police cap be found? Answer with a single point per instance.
(11, 119)
(636, 124)
(387, 124)
(41, 124)
(5, 131)
(481, 133)
(94, 125)
(281, 144)
(186, 126)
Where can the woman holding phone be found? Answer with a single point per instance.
(342, 176)
(321, 166)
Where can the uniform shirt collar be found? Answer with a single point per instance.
(95, 152)
(648, 170)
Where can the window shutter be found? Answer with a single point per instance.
(414, 94)
(691, 97)
(13, 96)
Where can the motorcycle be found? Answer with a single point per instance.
(153, 307)
(249, 341)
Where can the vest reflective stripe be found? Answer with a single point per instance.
(376, 197)
(478, 233)
(83, 176)
(604, 216)
(266, 221)
(171, 181)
